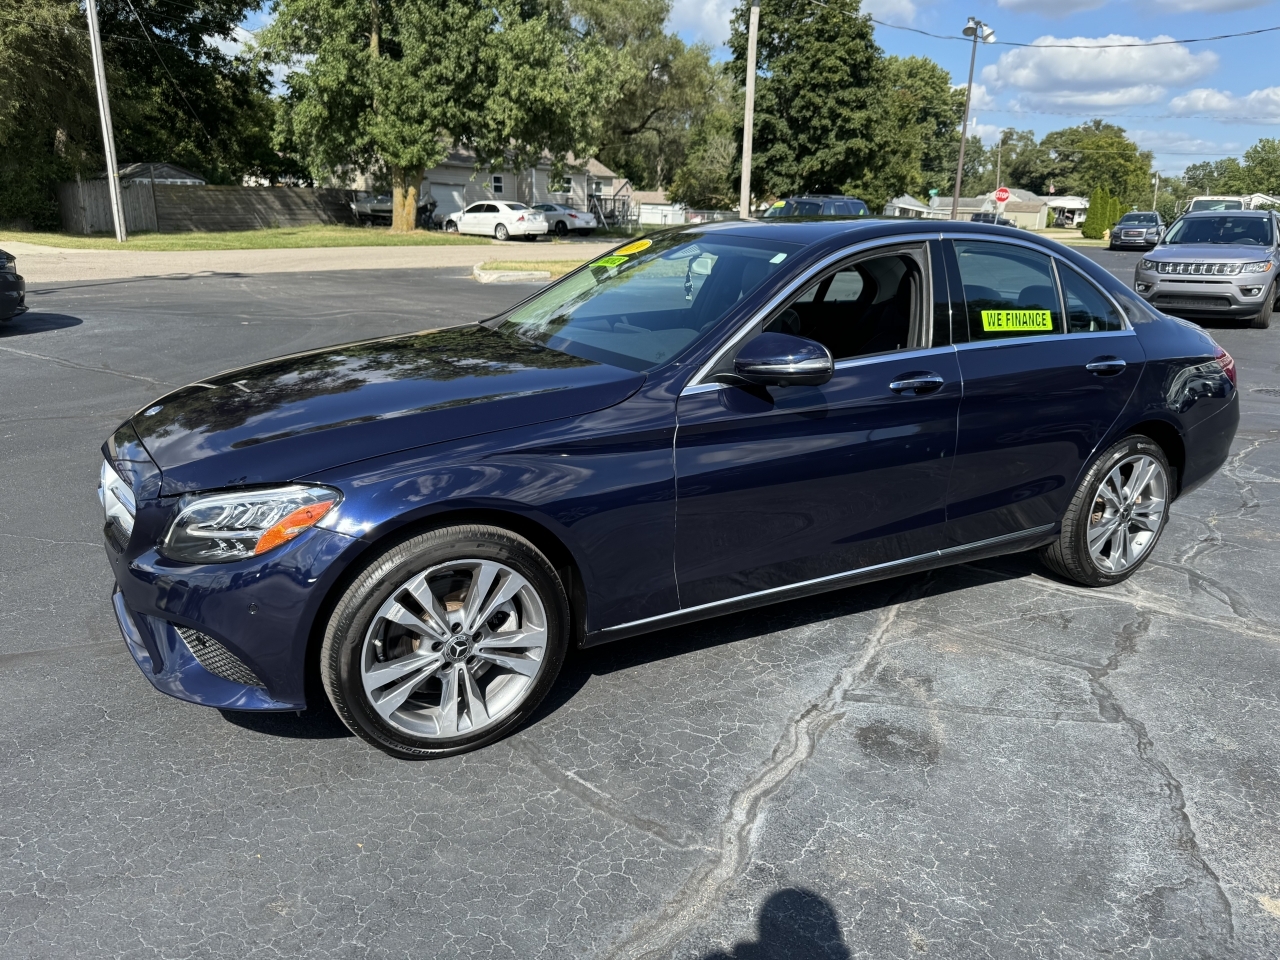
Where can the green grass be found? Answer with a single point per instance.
(1071, 237)
(557, 268)
(278, 238)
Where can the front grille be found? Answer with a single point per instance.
(217, 659)
(1133, 234)
(1200, 269)
(1195, 303)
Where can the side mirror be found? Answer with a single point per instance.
(781, 360)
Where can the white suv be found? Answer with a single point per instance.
(500, 219)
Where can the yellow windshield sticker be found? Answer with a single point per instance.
(780, 203)
(1007, 321)
(614, 261)
(635, 247)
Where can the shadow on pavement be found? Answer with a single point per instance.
(318, 723)
(793, 924)
(33, 322)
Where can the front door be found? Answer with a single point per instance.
(778, 487)
(1042, 387)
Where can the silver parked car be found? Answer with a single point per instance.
(1138, 229)
(1214, 264)
(561, 219)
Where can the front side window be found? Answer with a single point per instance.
(1008, 291)
(477, 208)
(868, 307)
(641, 306)
(1254, 231)
(1088, 309)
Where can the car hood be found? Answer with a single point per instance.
(1214, 252)
(286, 418)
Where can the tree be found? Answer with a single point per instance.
(817, 95)
(1262, 167)
(392, 84)
(708, 177)
(1096, 221)
(666, 89)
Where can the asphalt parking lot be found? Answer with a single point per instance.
(978, 762)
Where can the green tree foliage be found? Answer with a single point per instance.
(391, 84)
(1095, 223)
(49, 127)
(666, 90)
(1080, 159)
(708, 178)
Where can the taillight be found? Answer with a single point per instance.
(1227, 364)
(520, 219)
(573, 216)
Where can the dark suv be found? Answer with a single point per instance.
(1139, 230)
(818, 205)
(994, 218)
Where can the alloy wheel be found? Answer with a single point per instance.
(1128, 510)
(454, 649)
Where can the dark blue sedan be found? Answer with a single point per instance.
(711, 419)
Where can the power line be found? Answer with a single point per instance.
(1053, 46)
(64, 27)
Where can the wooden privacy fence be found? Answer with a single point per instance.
(168, 208)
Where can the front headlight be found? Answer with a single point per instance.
(222, 527)
(1147, 264)
(1258, 266)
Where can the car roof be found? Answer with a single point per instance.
(836, 231)
(1202, 214)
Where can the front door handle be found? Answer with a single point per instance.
(917, 383)
(1106, 366)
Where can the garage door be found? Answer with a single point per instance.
(449, 197)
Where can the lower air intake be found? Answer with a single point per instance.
(217, 659)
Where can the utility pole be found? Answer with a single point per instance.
(749, 117)
(978, 31)
(104, 112)
(1155, 194)
(999, 154)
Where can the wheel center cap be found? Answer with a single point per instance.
(458, 649)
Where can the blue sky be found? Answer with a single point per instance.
(1173, 99)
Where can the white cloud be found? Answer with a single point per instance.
(706, 20)
(980, 99)
(1077, 76)
(1051, 8)
(1261, 105)
(238, 43)
(989, 133)
(1209, 6)
(1182, 144)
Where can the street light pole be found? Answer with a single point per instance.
(1155, 194)
(104, 112)
(978, 31)
(749, 116)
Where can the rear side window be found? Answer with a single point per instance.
(1088, 310)
(836, 208)
(1008, 291)
(808, 208)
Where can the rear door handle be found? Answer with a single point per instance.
(1106, 366)
(917, 383)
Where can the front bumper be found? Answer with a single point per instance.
(234, 635)
(1135, 243)
(13, 295)
(1203, 297)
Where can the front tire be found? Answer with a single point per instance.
(446, 642)
(562, 228)
(1116, 516)
(1263, 319)
(500, 232)
(450, 227)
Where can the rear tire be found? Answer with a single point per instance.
(1263, 320)
(500, 232)
(1116, 516)
(418, 666)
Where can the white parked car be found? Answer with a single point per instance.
(501, 219)
(562, 219)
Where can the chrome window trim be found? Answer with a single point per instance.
(833, 577)
(846, 364)
(797, 284)
(1049, 338)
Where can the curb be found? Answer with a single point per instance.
(510, 276)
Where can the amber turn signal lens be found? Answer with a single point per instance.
(292, 525)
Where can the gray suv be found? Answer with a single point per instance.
(1215, 264)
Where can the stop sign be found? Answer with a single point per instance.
(1002, 195)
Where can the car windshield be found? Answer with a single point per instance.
(1254, 231)
(646, 302)
(1138, 220)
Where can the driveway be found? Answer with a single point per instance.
(978, 762)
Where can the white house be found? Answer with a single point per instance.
(906, 206)
(654, 209)
(1070, 208)
(457, 182)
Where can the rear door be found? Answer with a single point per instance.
(1042, 386)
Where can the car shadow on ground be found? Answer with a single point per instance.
(793, 924)
(319, 722)
(581, 665)
(34, 322)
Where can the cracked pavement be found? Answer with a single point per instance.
(978, 762)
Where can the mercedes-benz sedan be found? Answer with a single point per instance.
(418, 528)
